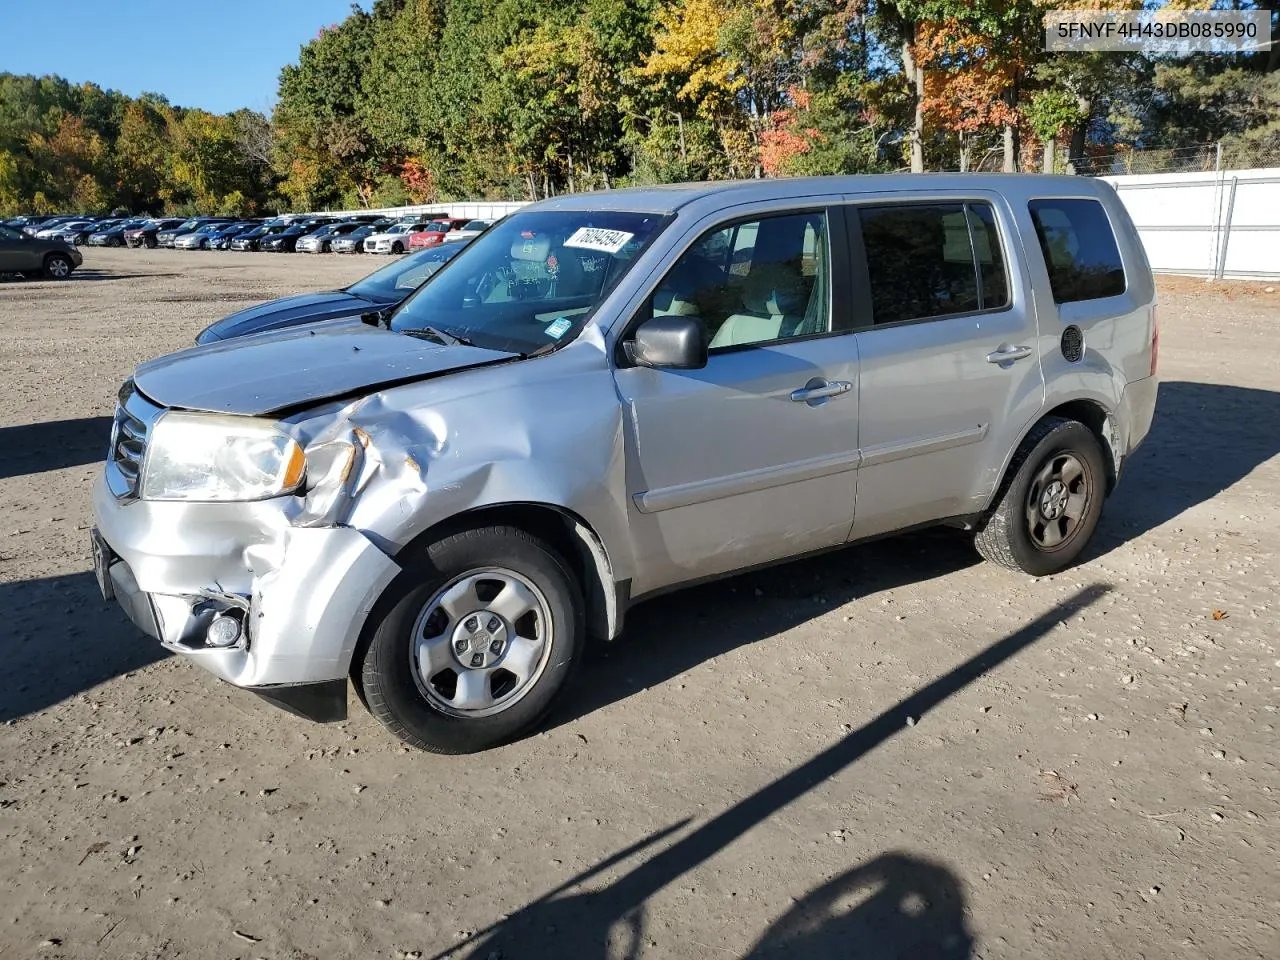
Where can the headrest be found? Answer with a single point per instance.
(775, 289)
(667, 302)
(532, 249)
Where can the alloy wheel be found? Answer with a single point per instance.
(1057, 500)
(481, 643)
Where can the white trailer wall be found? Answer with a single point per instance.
(1223, 223)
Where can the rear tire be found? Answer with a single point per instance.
(1050, 503)
(417, 671)
(57, 266)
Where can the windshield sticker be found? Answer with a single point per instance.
(597, 238)
(558, 327)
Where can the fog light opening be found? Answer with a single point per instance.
(225, 630)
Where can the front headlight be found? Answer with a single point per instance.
(194, 456)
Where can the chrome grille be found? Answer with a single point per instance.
(129, 429)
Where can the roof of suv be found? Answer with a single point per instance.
(668, 198)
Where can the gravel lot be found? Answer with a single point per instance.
(890, 751)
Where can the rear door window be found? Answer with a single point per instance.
(1079, 249)
(929, 260)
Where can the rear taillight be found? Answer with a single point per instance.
(1155, 339)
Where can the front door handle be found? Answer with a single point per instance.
(1009, 354)
(818, 389)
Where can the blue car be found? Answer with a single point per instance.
(378, 291)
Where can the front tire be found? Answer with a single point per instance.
(397, 247)
(473, 644)
(1050, 503)
(57, 266)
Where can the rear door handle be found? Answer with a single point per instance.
(1009, 354)
(819, 389)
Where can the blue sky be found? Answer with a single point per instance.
(216, 54)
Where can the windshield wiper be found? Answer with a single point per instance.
(432, 333)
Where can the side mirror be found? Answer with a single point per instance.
(674, 342)
(377, 318)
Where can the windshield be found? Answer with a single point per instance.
(395, 280)
(530, 282)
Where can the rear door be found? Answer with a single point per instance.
(754, 457)
(950, 375)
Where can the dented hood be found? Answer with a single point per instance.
(270, 372)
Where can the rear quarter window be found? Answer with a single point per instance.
(1079, 249)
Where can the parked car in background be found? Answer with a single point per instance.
(199, 239)
(472, 230)
(286, 241)
(220, 239)
(144, 233)
(353, 242)
(395, 239)
(165, 238)
(22, 223)
(118, 235)
(435, 232)
(380, 290)
(250, 239)
(34, 230)
(47, 257)
(78, 232)
(57, 226)
(320, 241)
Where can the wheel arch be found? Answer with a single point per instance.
(1088, 411)
(60, 255)
(563, 530)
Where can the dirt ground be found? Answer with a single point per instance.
(893, 751)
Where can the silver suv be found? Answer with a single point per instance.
(610, 395)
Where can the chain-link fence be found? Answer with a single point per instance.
(1227, 154)
(1232, 153)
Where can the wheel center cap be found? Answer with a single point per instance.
(1054, 500)
(479, 640)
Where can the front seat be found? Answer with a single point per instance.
(773, 299)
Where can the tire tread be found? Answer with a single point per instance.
(367, 674)
(994, 540)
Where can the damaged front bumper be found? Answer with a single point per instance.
(301, 593)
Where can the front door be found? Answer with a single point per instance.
(752, 458)
(16, 252)
(949, 372)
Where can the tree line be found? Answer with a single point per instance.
(420, 101)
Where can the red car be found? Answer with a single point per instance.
(435, 232)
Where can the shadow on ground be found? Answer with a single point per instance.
(92, 275)
(81, 275)
(668, 635)
(915, 908)
(1205, 438)
(61, 639)
(39, 447)
(904, 907)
